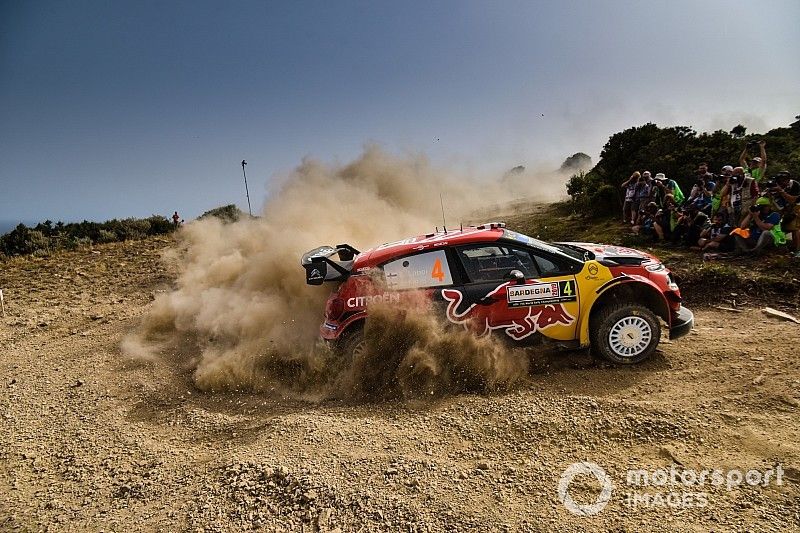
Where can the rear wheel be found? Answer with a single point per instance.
(353, 346)
(625, 333)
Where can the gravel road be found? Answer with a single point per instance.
(90, 441)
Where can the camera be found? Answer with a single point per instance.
(734, 179)
(752, 144)
(771, 183)
(754, 208)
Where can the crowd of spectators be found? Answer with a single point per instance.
(737, 211)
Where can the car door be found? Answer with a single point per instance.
(514, 290)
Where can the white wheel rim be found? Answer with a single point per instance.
(630, 336)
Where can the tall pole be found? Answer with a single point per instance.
(249, 210)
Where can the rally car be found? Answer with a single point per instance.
(492, 280)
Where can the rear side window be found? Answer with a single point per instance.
(494, 262)
(429, 269)
(547, 267)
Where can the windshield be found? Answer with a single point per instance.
(542, 245)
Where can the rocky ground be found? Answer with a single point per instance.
(89, 441)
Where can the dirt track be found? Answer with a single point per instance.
(91, 442)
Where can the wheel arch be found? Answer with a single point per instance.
(351, 325)
(632, 288)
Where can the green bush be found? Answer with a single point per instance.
(226, 213)
(46, 237)
(106, 236)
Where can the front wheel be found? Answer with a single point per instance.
(353, 346)
(625, 333)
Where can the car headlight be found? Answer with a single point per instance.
(655, 267)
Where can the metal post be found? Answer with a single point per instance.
(249, 210)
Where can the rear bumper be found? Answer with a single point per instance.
(682, 323)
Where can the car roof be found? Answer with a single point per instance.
(430, 241)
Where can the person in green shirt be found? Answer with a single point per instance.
(757, 166)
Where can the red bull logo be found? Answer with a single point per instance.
(517, 322)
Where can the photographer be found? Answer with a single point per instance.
(702, 192)
(644, 190)
(660, 191)
(629, 185)
(757, 166)
(649, 223)
(785, 193)
(754, 234)
(720, 198)
(675, 190)
(666, 219)
(716, 237)
(750, 191)
(691, 223)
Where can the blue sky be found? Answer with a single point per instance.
(116, 109)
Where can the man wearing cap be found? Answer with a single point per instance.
(672, 187)
(757, 166)
(754, 235)
(721, 197)
(659, 190)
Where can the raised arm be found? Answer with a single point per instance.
(743, 158)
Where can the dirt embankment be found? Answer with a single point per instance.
(90, 441)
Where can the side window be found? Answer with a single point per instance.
(494, 262)
(548, 267)
(418, 271)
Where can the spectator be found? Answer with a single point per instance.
(720, 195)
(702, 172)
(669, 217)
(734, 194)
(702, 191)
(659, 190)
(649, 225)
(644, 194)
(629, 186)
(754, 234)
(785, 194)
(672, 188)
(176, 219)
(690, 224)
(757, 166)
(641, 191)
(716, 237)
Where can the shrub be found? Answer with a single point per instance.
(106, 236)
(46, 237)
(35, 242)
(159, 225)
(226, 213)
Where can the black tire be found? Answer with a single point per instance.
(624, 333)
(353, 344)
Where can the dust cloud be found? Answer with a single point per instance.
(252, 322)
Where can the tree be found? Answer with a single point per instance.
(738, 131)
(576, 163)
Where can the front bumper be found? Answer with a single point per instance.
(682, 323)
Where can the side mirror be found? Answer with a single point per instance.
(516, 275)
